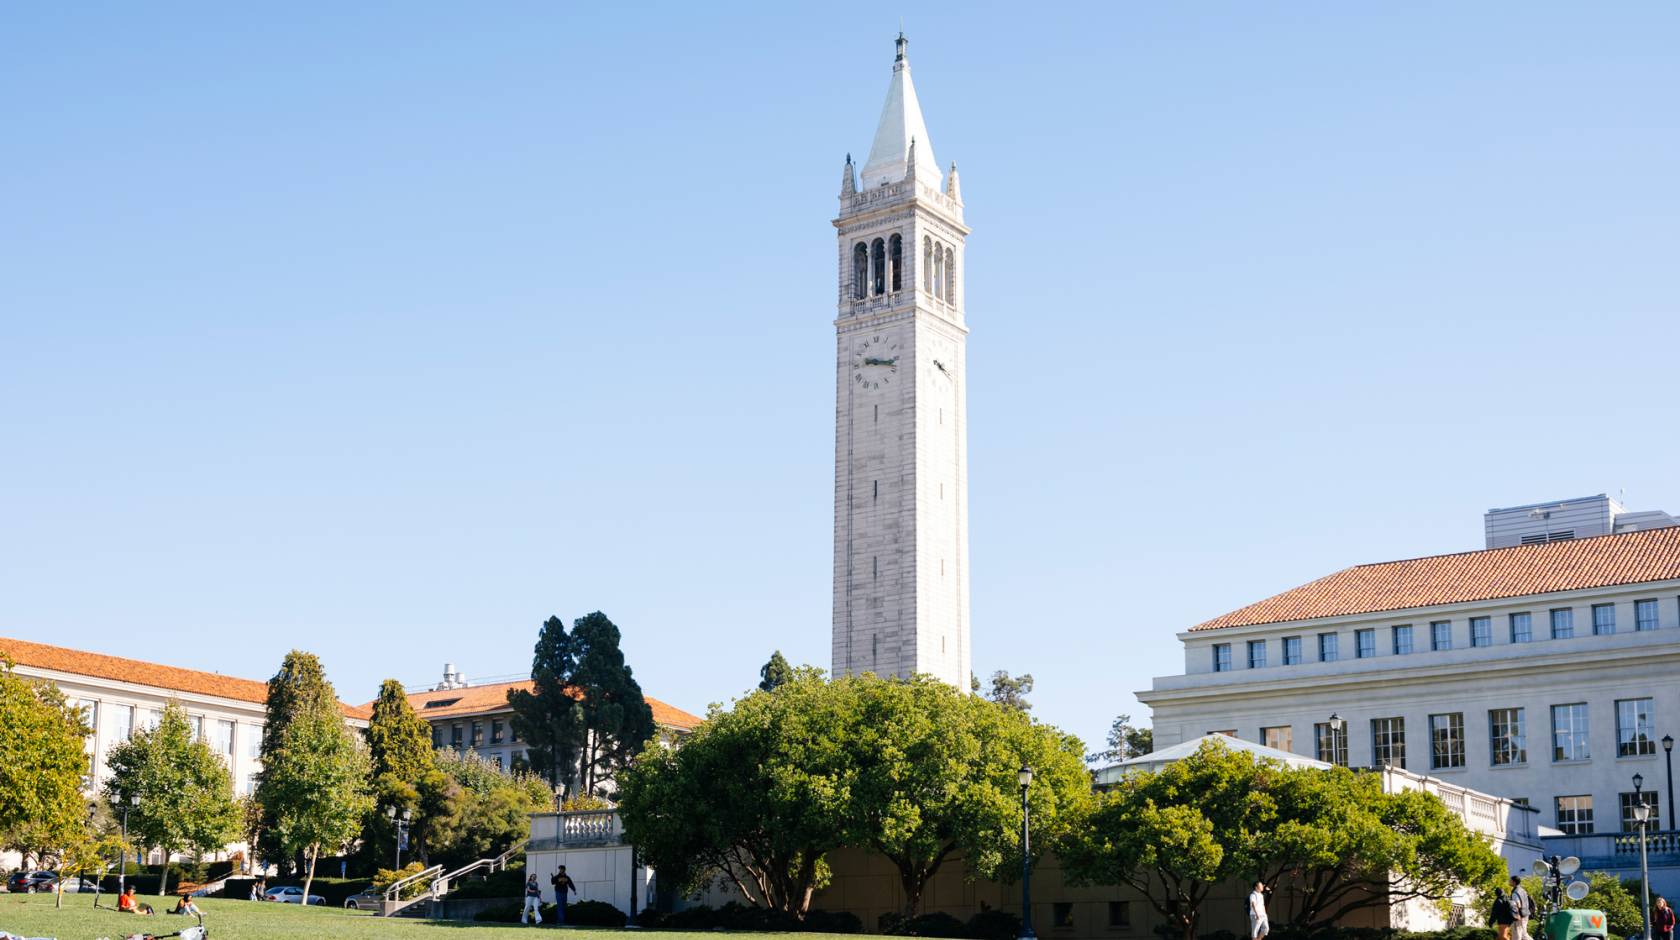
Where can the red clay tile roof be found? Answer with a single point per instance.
(168, 678)
(1605, 561)
(477, 699)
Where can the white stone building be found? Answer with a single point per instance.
(901, 599)
(1544, 672)
(120, 695)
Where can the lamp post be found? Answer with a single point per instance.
(122, 858)
(1642, 816)
(1025, 778)
(1336, 723)
(402, 829)
(1668, 754)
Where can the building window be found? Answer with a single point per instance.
(1522, 627)
(1563, 623)
(1569, 732)
(1604, 619)
(437, 736)
(224, 739)
(1327, 647)
(253, 741)
(496, 761)
(1292, 651)
(125, 722)
(950, 276)
(1402, 639)
(455, 737)
(1629, 800)
(1119, 913)
(195, 723)
(1221, 657)
(495, 731)
(878, 267)
(1388, 742)
(1330, 744)
(1507, 736)
(1575, 815)
(1644, 616)
(478, 734)
(1280, 738)
(1446, 741)
(1256, 654)
(895, 257)
(1481, 631)
(1364, 644)
(1061, 914)
(1633, 727)
(860, 271)
(1440, 635)
(250, 785)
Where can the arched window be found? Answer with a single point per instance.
(878, 253)
(927, 264)
(938, 272)
(895, 255)
(860, 270)
(950, 276)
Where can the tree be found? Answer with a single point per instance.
(186, 792)
(299, 684)
(490, 810)
(42, 760)
(774, 673)
(756, 795)
(935, 776)
(1220, 814)
(1125, 742)
(546, 717)
(314, 782)
(405, 774)
(616, 717)
(1012, 691)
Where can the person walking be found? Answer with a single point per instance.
(1501, 917)
(1522, 908)
(1258, 926)
(533, 901)
(1662, 920)
(562, 883)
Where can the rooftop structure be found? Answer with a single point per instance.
(1565, 519)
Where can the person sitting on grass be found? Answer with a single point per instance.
(129, 904)
(186, 906)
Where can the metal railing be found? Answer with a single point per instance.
(441, 886)
(395, 902)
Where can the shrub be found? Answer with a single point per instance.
(386, 877)
(935, 924)
(738, 916)
(993, 924)
(837, 922)
(595, 914)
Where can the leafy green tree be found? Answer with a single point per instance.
(492, 809)
(547, 717)
(617, 720)
(774, 673)
(757, 795)
(1125, 741)
(41, 764)
(186, 792)
(299, 684)
(935, 777)
(1012, 691)
(314, 782)
(405, 774)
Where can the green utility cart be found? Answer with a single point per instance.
(1577, 925)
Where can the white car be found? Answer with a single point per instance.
(291, 894)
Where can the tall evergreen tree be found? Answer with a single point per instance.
(616, 717)
(774, 673)
(546, 717)
(185, 791)
(405, 773)
(1012, 691)
(300, 684)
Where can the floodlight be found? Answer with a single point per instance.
(1576, 890)
(1541, 868)
(1569, 866)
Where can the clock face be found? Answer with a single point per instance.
(875, 361)
(941, 358)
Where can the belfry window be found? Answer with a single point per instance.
(938, 272)
(895, 255)
(950, 276)
(860, 270)
(878, 253)
(927, 264)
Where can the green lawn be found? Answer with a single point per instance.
(33, 915)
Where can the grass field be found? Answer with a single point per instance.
(33, 915)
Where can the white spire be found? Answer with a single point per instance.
(901, 122)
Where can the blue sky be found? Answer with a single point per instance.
(388, 331)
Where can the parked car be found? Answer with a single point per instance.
(368, 900)
(291, 894)
(80, 885)
(29, 882)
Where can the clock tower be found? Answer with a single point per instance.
(901, 430)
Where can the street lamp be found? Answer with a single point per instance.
(1024, 777)
(1668, 754)
(122, 858)
(402, 829)
(1642, 816)
(1336, 723)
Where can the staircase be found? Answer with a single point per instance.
(438, 882)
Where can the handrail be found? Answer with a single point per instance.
(441, 882)
(441, 886)
(392, 891)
